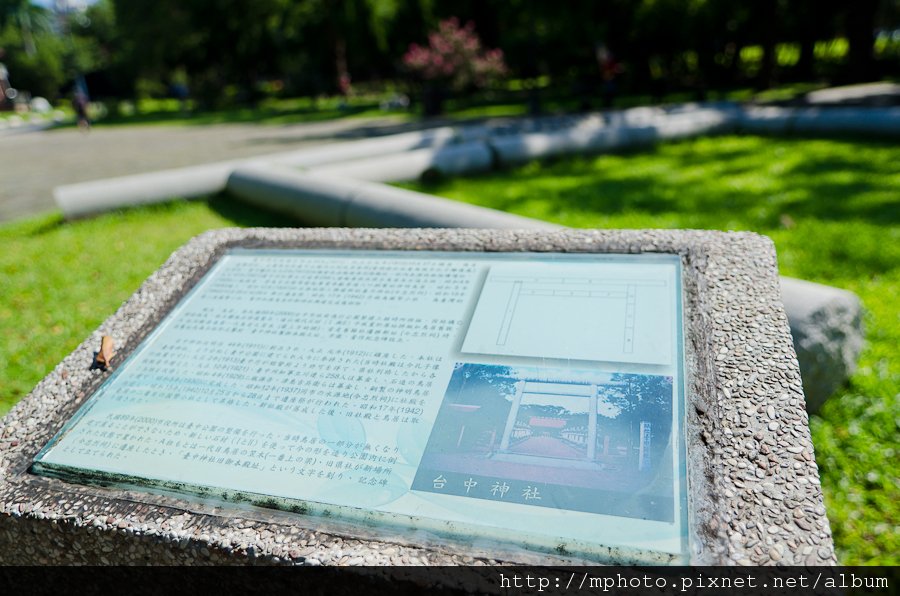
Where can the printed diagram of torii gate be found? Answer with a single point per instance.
(584, 314)
(544, 287)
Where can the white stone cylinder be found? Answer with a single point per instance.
(447, 160)
(327, 201)
(88, 198)
(830, 120)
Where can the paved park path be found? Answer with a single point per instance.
(32, 164)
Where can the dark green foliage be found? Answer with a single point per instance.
(233, 52)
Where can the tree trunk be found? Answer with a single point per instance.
(340, 64)
(27, 36)
(767, 69)
(336, 26)
(860, 23)
(432, 100)
(810, 27)
(806, 64)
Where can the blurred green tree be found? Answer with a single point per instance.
(228, 50)
(34, 55)
(314, 45)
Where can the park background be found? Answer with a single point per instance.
(830, 204)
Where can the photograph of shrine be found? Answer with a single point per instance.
(580, 440)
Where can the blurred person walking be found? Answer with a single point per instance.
(80, 102)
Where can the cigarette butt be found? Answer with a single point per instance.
(106, 353)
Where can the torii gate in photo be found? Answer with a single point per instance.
(535, 386)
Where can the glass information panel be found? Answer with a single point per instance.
(532, 399)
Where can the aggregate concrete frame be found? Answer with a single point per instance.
(754, 488)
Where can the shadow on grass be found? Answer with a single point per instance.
(51, 224)
(251, 216)
(687, 177)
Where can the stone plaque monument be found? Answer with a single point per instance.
(374, 396)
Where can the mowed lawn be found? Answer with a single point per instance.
(832, 208)
(59, 281)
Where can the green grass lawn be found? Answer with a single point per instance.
(59, 281)
(831, 207)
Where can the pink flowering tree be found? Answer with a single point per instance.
(454, 59)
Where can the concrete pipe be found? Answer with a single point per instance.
(88, 198)
(327, 201)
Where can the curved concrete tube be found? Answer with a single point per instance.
(625, 130)
(88, 198)
(97, 196)
(877, 121)
(520, 148)
(350, 150)
(776, 120)
(448, 160)
(328, 201)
